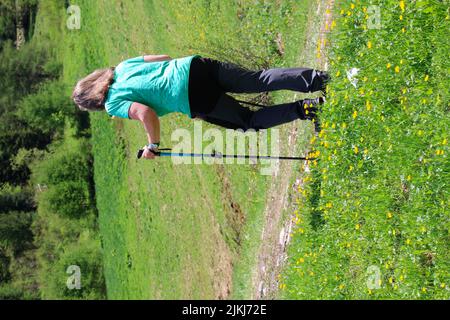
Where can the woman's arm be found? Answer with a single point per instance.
(154, 58)
(150, 121)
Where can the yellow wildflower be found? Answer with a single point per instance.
(338, 73)
(397, 69)
(401, 17)
(389, 215)
(427, 77)
(369, 44)
(358, 226)
(333, 24)
(352, 6)
(402, 5)
(388, 66)
(355, 114)
(356, 150)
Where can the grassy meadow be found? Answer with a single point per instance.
(186, 231)
(373, 214)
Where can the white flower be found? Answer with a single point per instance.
(351, 76)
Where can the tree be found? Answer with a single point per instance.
(14, 134)
(47, 109)
(15, 233)
(16, 198)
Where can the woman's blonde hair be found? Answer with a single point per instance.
(90, 92)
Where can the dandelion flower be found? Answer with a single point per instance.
(352, 6)
(403, 30)
(355, 114)
(397, 69)
(356, 150)
(388, 66)
(358, 226)
(369, 44)
(401, 17)
(402, 5)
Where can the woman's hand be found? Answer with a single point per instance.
(149, 153)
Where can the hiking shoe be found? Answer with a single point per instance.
(308, 110)
(325, 80)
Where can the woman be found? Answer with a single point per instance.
(147, 87)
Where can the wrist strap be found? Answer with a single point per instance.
(153, 145)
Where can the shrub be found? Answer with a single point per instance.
(9, 292)
(69, 199)
(89, 260)
(47, 109)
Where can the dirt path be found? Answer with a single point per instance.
(277, 229)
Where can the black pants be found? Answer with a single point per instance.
(210, 80)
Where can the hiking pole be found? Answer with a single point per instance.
(219, 155)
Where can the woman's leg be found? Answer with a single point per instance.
(228, 113)
(233, 78)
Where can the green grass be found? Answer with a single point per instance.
(170, 231)
(375, 207)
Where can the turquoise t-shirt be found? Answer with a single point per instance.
(162, 86)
